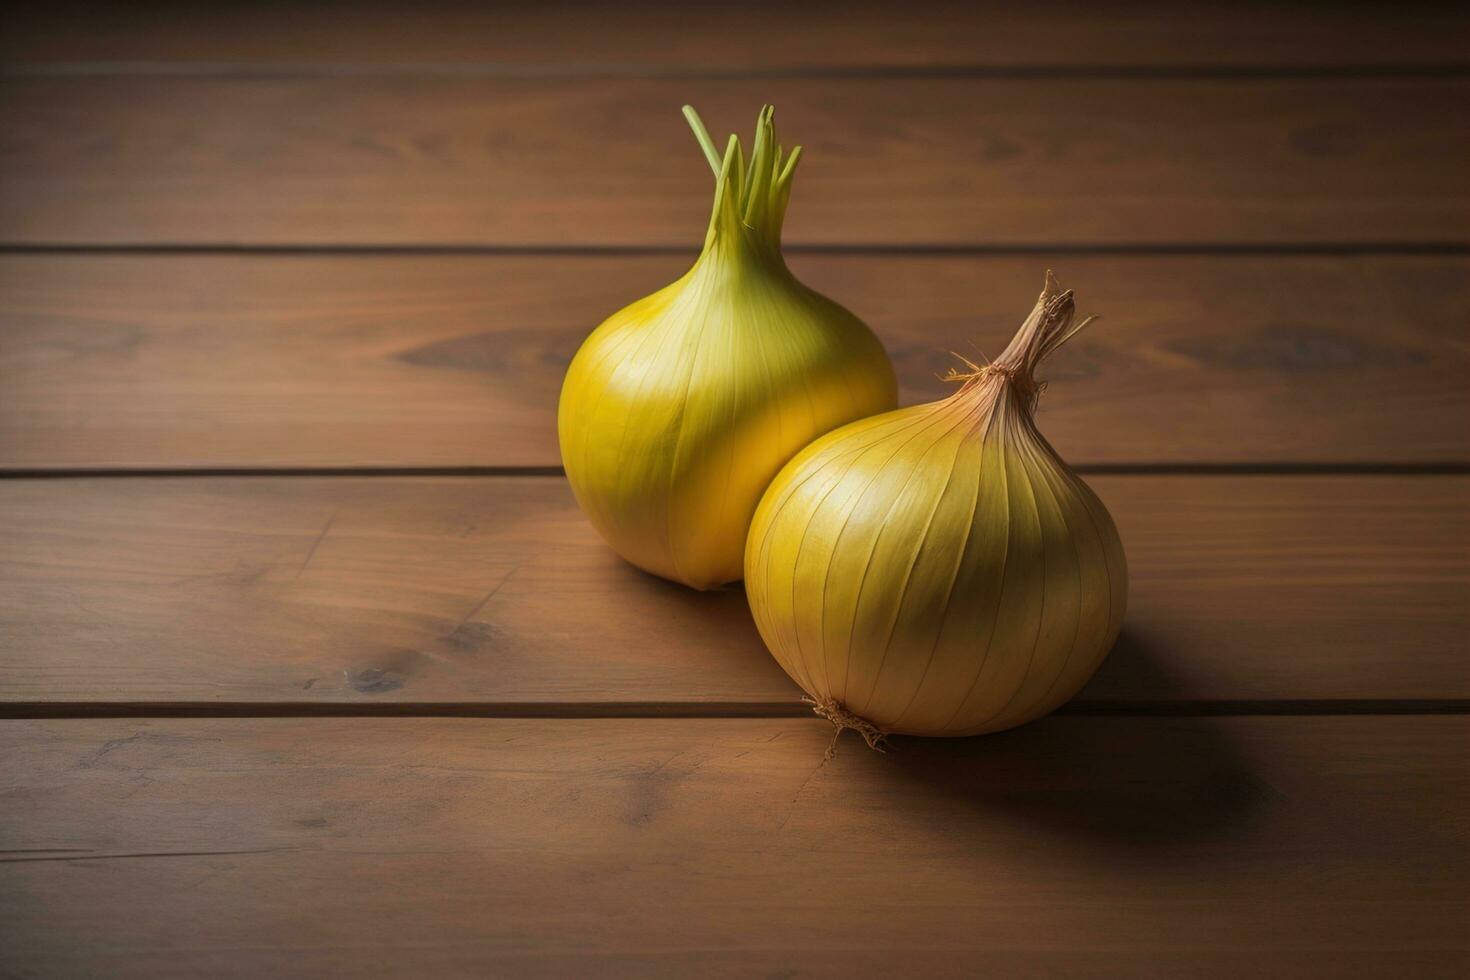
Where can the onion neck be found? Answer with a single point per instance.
(1047, 328)
(733, 251)
(750, 201)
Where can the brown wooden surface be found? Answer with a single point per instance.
(814, 35)
(496, 591)
(410, 847)
(1264, 200)
(226, 360)
(540, 161)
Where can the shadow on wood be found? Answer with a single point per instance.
(1152, 782)
(1132, 665)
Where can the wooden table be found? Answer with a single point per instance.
(310, 666)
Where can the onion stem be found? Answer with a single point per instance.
(702, 135)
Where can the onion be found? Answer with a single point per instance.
(679, 409)
(939, 570)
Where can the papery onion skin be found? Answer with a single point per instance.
(679, 409)
(939, 570)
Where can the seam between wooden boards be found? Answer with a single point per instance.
(1304, 249)
(272, 71)
(694, 710)
(1446, 468)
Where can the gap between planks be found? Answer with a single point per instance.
(245, 71)
(695, 710)
(1086, 469)
(629, 250)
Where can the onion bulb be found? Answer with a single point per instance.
(679, 409)
(939, 570)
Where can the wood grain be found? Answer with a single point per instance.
(371, 361)
(1077, 847)
(556, 162)
(1204, 153)
(496, 591)
(762, 35)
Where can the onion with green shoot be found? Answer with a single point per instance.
(679, 409)
(939, 570)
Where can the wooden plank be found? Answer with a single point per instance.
(411, 847)
(532, 161)
(233, 361)
(496, 591)
(762, 35)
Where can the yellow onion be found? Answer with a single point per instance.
(939, 570)
(679, 409)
